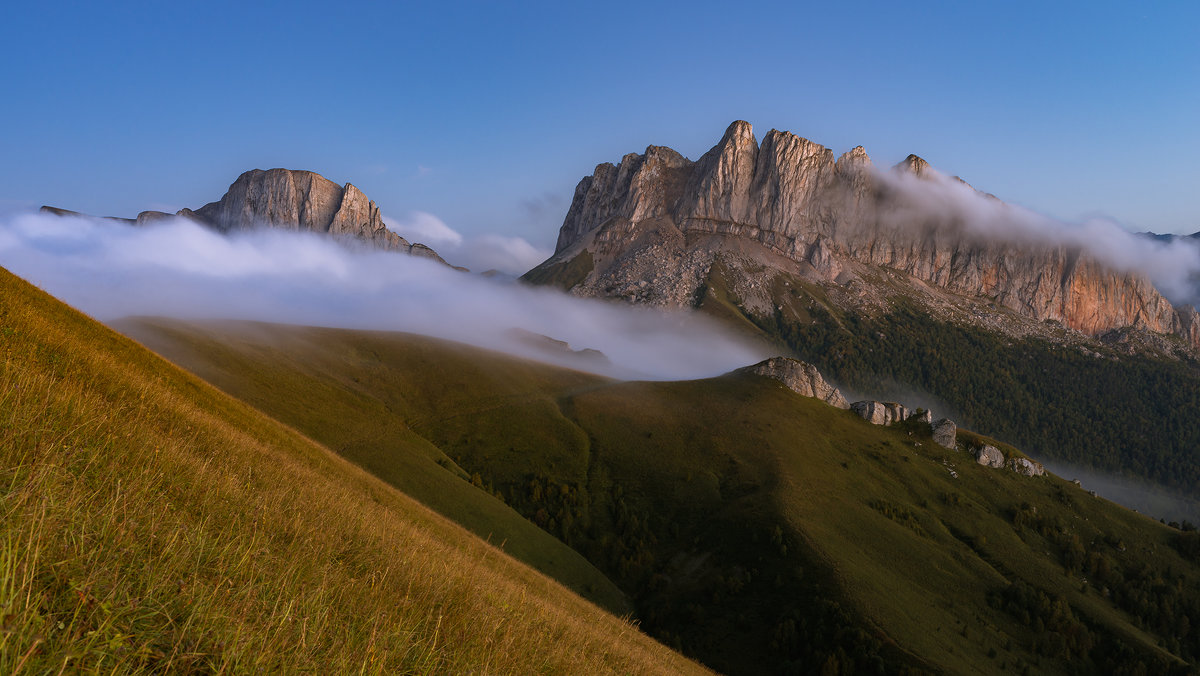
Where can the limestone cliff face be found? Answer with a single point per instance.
(641, 187)
(303, 201)
(292, 200)
(798, 200)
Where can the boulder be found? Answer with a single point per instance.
(880, 412)
(1026, 467)
(800, 377)
(945, 433)
(989, 456)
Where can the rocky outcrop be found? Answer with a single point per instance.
(558, 349)
(67, 213)
(989, 456)
(641, 219)
(422, 251)
(151, 217)
(285, 199)
(800, 377)
(945, 433)
(1026, 467)
(880, 412)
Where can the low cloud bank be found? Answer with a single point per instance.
(510, 255)
(1172, 265)
(183, 270)
(1145, 497)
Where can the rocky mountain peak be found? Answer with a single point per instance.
(290, 199)
(855, 167)
(303, 201)
(914, 165)
(739, 133)
(656, 225)
(719, 188)
(855, 157)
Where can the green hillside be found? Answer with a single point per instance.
(154, 524)
(759, 531)
(1130, 414)
(1135, 414)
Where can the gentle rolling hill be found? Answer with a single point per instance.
(757, 530)
(154, 524)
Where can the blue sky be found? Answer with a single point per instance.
(487, 114)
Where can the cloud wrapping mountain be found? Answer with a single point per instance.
(510, 255)
(930, 198)
(177, 268)
(424, 227)
(657, 227)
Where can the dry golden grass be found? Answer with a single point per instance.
(151, 523)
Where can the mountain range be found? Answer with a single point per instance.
(897, 283)
(756, 522)
(287, 199)
(653, 228)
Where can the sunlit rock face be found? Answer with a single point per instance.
(654, 224)
(286, 199)
(304, 201)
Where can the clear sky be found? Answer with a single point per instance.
(487, 114)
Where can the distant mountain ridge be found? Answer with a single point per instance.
(289, 199)
(1170, 237)
(655, 225)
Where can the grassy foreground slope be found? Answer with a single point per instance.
(329, 395)
(757, 530)
(152, 523)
